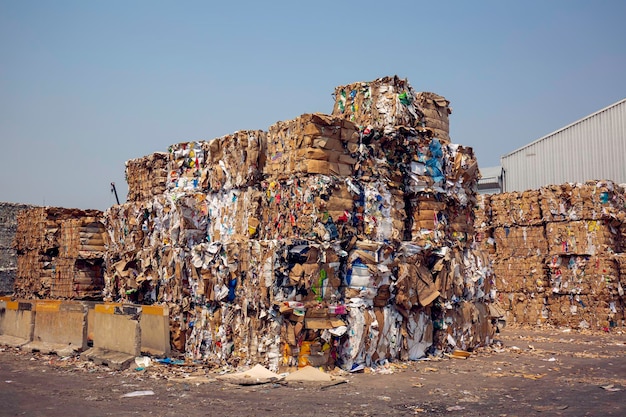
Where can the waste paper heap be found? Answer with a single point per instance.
(60, 253)
(558, 253)
(340, 239)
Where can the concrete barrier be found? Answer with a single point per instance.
(17, 322)
(155, 330)
(60, 327)
(116, 335)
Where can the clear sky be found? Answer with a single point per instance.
(87, 85)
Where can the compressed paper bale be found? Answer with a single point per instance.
(436, 110)
(521, 275)
(461, 170)
(561, 202)
(585, 237)
(187, 167)
(49, 246)
(602, 200)
(228, 258)
(467, 326)
(229, 214)
(519, 209)
(593, 275)
(593, 200)
(381, 103)
(384, 213)
(462, 274)
(520, 241)
(579, 311)
(326, 208)
(78, 279)
(482, 212)
(234, 161)
(146, 176)
(310, 144)
(526, 309)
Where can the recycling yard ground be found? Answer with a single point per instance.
(549, 372)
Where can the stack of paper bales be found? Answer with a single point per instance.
(340, 239)
(60, 253)
(558, 252)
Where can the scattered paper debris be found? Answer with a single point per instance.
(138, 394)
(254, 376)
(455, 408)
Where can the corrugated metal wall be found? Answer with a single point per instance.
(593, 148)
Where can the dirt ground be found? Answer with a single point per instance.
(529, 373)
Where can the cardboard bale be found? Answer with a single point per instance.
(425, 171)
(35, 273)
(368, 270)
(188, 168)
(520, 241)
(326, 208)
(141, 234)
(379, 212)
(462, 174)
(310, 144)
(436, 110)
(381, 104)
(580, 311)
(230, 215)
(521, 275)
(525, 308)
(466, 326)
(483, 230)
(516, 209)
(462, 274)
(584, 237)
(54, 248)
(438, 221)
(233, 161)
(146, 176)
(81, 279)
(316, 207)
(482, 213)
(590, 275)
(593, 200)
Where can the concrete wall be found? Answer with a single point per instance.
(17, 322)
(63, 323)
(155, 330)
(116, 328)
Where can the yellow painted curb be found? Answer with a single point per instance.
(12, 305)
(48, 305)
(106, 308)
(154, 310)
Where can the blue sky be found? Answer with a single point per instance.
(87, 85)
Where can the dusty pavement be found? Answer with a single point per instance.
(536, 373)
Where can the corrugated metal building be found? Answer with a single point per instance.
(593, 148)
(490, 181)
